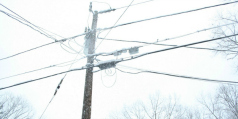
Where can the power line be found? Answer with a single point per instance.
(175, 75)
(113, 62)
(152, 43)
(179, 46)
(47, 106)
(115, 23)
(170, 15)
(28, 50)
(47, 35)
(40, 29)
(134, 4)
(180, 36)
(51, 66)
(58, 86)
(42, 78)
(196, 32)
(62, 40)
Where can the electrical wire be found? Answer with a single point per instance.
(115, 73)
(47, 35)
(180, 36)
(76, 44)
(62, 40)
(114, 24)
(134, 4)
(176, 46)
(47, 106)
(58, 86)
(28, 72)
(178, 13)
(51, 66)
(40, 29)
(33, 80)
(20, 16)
(124, 59)
(67, 50)
(196, 32)
(152, 43)
(156, 43)
(175, 75)
(129, 72)
(28, 50)
(179, 46)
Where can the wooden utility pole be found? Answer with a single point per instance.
(87, 100)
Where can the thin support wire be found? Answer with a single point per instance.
(114, 24)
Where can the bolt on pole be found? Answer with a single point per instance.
(87, 100)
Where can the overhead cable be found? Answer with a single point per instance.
(134, 4)
(115, 24)
(180, 36)
(76, 69)
(47, 106)
(153, 43)
(112, 63)
(33, 80)
(169, 15)
(176, 47)
(196, 32)
(58, 86)
(109, 10)
(174, 75)
(27, 50)
(62, 40)
(40, 29)
(47, 35)
(51, 66)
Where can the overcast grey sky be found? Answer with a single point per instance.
(69, 18)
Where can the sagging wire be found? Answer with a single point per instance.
(76, 44)
(109, 73)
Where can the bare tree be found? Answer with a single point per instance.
(14, 108)
(229, 45)
(223, 105)
(156, 107)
